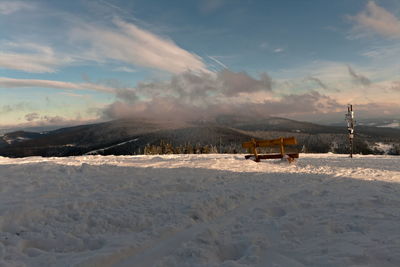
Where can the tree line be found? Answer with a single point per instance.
(188, 148)
(312, 144)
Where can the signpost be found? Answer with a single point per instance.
(350, 126)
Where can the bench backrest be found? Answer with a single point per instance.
(273, 142)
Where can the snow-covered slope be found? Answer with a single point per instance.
(200, 210)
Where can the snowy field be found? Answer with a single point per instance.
(200, 210)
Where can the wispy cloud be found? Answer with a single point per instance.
(373, 83)
(110, 5)
(193, 90)
(71, 94)
(122, 43)
(209, 6)
(318, 81)
(128, 43)
(21, 83)
(125, 69)
(9, 7)
(387, 54)
(358, 78)
(264, 45)
(32, 116)
(31, 57)
(272, 48)
(396, 86)
(35, 119)
(14, 107)
(376, 20)
(279, 50)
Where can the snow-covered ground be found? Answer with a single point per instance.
(200, 210)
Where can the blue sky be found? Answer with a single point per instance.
(70, 62)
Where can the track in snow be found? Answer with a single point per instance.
(213, 210)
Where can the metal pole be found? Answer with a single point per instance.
(350, 127)
(351, 147)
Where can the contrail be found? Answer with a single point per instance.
(218, 62)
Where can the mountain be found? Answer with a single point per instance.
(277, 124)
(120, 137)
(226, 133)
(18, 137)
(377, 122)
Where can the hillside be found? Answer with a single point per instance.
(226, 133)
(18, 137)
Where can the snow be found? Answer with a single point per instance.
(384, 148)
(200, 210)
(9, 140)
(391, 125)
(95, 152)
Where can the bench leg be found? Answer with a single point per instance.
(290, 159)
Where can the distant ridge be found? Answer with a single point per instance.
(130, 136)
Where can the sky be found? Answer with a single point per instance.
(80, 61)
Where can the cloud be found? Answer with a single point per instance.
(209, 6)
(125, 69)
(37, 120)
(9, 7)
(70, 94)
(194, 96)
(47, 123)
(272, 48)
(378, 110)
(32, 116)
(123, 43)
(358, 78)
(204, 96)
(53, 120)
(321, 84)
(362, 84)
(376, 19)
(14, 107)
(264, 45)
(197, 88)
(20, 83)
(171, 108)
(128, 43)
(6, 109)
(318, 82)
(234, 83)
(396, 86)
(31, 57)
(127, 94)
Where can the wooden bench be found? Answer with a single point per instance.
(281, 142)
